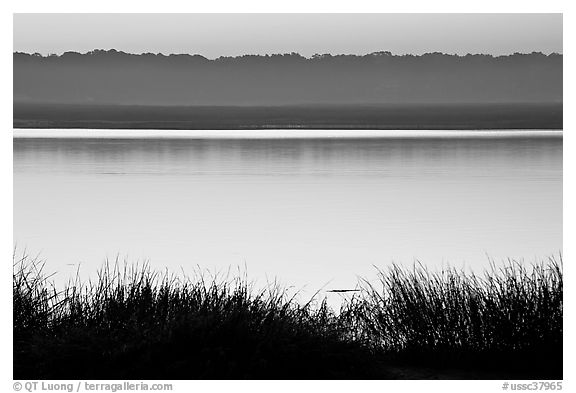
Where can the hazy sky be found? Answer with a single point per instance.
(214, 35)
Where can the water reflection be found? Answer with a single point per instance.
(309, 211)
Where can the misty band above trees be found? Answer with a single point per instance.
(113, 77)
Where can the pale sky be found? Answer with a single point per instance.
(214, 35)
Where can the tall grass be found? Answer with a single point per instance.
(133, 323)
(511, 316)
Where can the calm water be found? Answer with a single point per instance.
(309, 211)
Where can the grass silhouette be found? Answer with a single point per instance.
(134, 323)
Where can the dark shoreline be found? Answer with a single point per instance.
(362, 117)
(133, 323)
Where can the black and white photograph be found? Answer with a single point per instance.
(287, 196)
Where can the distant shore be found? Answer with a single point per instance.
(359, 117)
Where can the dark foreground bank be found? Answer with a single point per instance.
(132, 323)
(385, 117)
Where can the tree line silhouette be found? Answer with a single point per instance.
(116, 77)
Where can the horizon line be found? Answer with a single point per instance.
(272, 54)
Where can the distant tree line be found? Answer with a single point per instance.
(116, 77)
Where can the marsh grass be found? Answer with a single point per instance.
(134, 323)
(509, 318)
